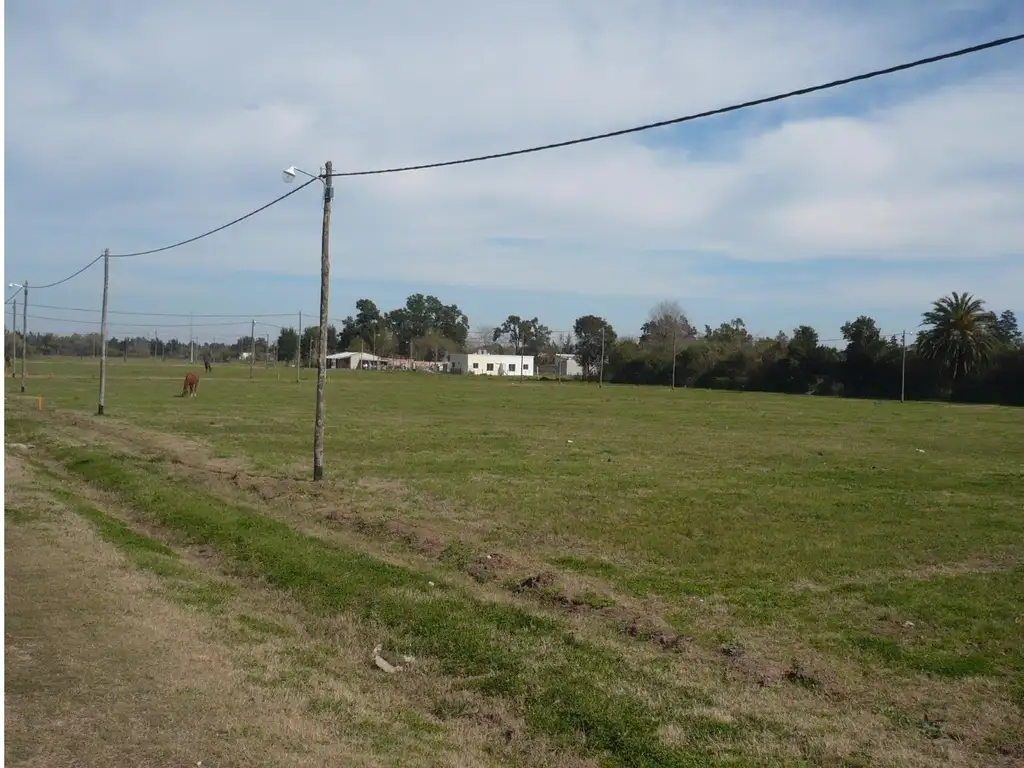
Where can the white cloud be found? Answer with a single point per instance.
(197, 105)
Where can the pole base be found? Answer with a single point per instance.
(99, 411)
(318, 473)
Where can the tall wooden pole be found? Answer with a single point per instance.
(24, 335)
(325, 288)
(298, 350)
(903, 371)
(673, 359)
(103, 331)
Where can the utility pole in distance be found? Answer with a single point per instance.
(903, 371)
(673, 358)
(600, 381)
(14, 336)
(252, 353)
(325, 287)
(298, 350)
(24, 335)
(103, 331)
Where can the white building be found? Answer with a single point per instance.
(362, 360)
(485, 364)
(568, 367)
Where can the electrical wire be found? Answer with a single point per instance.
(162, 314)
(77, 320)
(69, 277)
(241, 318)
(582, 140)
(221, 228)
(180, 243)
(698, 115)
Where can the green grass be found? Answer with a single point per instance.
(507, 650)
(830, 521)
(180, 581)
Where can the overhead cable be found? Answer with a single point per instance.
(697, 115)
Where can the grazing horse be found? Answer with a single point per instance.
(191, 384)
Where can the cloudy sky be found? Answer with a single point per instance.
(132, 125)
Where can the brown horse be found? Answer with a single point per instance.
(191, 384)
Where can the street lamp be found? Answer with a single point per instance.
(290, 172)
(23, 287)
(325, 178)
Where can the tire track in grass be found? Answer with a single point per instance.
(564, 685)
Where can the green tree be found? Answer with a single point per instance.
(311, 335)
(960, 334)
(287, 344)
(526, 336)
(733, 333)
(365, 326)
(423, 314)
(1007, 331)
(588, 332)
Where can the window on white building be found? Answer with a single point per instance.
(512, 367)
(476, 365)
(490, 366)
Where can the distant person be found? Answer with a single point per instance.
(207, 363)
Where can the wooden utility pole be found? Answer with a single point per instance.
(103, 331)
(325, 287)
(191, 343)
(24, 335)
(14, 337)
(298, 350)
(903, 371)
(600, 381)
(252, 353)
(673, 359)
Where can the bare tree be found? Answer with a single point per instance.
(480, 337)
(666, 322)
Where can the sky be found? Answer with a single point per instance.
(132, 126)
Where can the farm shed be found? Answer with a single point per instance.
(484, 364)
(363, 360)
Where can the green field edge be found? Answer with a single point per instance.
(495, 649)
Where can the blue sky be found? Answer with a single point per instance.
(131, 126)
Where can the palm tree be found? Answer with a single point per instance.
(960, 333)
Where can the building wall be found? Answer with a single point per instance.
(568, 367)
(492, 365)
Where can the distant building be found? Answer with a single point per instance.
(485, 364)
(355, 360)
(568, 367)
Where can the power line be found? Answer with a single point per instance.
(222, 227)
(69, 277)
(572, 142)
(163, 314)
(180, 243)
(698, 115)
(78, 320)
(240, 317)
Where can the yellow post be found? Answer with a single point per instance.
(39, 403)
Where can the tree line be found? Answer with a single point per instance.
(962, 351)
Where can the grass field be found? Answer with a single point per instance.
(584, 575)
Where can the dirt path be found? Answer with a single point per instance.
(103, 669)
